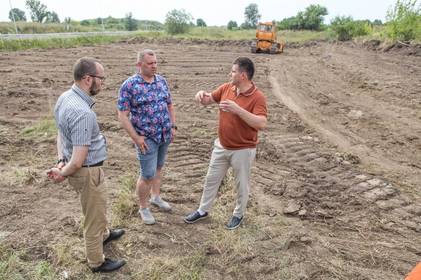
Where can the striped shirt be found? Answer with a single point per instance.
(77, 125)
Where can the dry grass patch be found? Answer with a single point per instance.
(124, 206)
(15, 265)
(174, 267)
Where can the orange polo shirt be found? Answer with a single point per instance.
(233, 132)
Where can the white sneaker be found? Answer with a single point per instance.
(159, 202)
(146, 215)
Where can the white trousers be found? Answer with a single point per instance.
(241, 162)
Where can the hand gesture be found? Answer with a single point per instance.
(140, 142)
(203, 97)
(229, 106)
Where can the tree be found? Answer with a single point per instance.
(129, 22)
(232, 25)
(37, 10)
(313, 17)
(377, 22)
(200, 22)
(310, 19)
(17, 15)
(67, 21)
(177, 21)
(252, 16)
(52, 17)
(291, 23)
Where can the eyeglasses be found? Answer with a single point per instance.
(99, 77)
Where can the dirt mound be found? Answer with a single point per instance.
(207, 42)
(402, 48)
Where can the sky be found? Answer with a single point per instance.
(213, 12)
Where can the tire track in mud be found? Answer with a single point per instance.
(326, 187)
(330, 173)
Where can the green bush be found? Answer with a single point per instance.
(404, 21)
(232, 25)
(310, 19)
(345, 28)
(177, 22)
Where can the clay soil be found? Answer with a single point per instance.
(335, 188)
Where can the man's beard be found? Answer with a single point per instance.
(94, 89)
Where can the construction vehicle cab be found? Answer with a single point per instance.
(266, 39)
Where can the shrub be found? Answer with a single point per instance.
(232, 25)
(345, 28)
(404, 21)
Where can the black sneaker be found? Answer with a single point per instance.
(109, 265)
(234, 222)
(194, 217)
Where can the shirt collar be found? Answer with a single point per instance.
(249, 92)
(82, 94)
(142, 80)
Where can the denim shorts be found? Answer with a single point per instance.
(153, 158)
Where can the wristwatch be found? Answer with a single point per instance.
(63, 160)
(174, 126)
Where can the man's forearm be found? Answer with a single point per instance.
(257, 122)
(172, 113)
(59, 151)
(128, 127)
(69, 169)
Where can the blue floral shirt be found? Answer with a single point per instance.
(148, 106)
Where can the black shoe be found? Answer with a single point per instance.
(109, 265)
(114, 234)
(194, 217)
(234, 222)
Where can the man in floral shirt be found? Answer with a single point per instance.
(146, 112)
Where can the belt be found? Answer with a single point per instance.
(94, 165)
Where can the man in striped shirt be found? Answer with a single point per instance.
(81, 151)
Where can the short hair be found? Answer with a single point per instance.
(84, 66)
(245, 65)
(142, 53)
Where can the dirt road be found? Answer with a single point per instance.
(336, 192)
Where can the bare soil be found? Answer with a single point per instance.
(335, 189)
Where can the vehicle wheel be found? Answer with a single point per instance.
(273, 49)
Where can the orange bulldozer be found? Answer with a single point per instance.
(266, 39)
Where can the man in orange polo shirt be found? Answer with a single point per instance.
(242, 114)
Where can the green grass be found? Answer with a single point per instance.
(217, 33)
(198, 33)
(45, 128)
(15, 266)
(289, 36)
(35, 27)
(24, 44)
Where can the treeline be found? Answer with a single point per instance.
(403, 22)
(40, 15)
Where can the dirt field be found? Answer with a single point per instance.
(335, 189)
